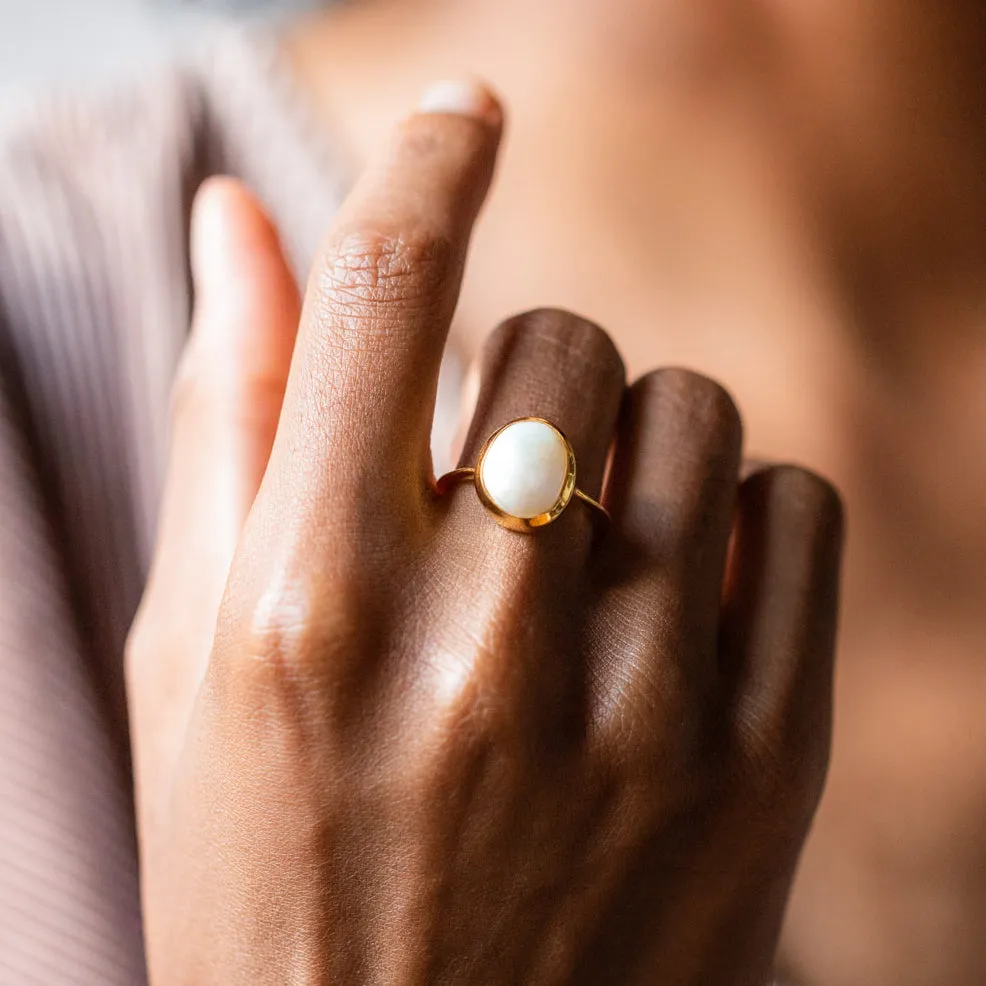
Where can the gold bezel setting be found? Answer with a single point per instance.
(524, 525)
(527, 524)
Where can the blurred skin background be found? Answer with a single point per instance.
(813, 196)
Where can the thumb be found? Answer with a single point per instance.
(226, 405)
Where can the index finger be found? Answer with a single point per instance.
(360, 401)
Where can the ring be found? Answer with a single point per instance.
(524, 476)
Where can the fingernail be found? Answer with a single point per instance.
(463, 98)
(217, 251)
(211, 237)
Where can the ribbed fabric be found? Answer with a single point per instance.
(94, 308)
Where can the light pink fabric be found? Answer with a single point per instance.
(94, 308)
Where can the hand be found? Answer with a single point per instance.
(416, 747)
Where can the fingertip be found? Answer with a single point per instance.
(805, 504)
(210, 234)
(229, 227)
(238, 265)
(463, 97)
(230, 384)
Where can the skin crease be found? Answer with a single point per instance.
(417, 748)
(790, 198)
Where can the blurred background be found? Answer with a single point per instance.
(65, 41)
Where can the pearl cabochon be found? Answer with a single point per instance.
(525, 468)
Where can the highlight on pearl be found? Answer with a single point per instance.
(524, 468)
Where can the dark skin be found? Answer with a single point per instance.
(788, 197)
(417, 747)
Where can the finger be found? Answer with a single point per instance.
(360, 403)
(671, 492)
(553, 365)
(779, 615)
(230, 384)
(227, 400)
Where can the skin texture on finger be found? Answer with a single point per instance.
(315, 608)
(557, 366)
(777, 652)
(779, 619)
(671, 491)
(226, 404)
(344, 508)
(354, 444)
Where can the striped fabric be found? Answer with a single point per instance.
(94, 307)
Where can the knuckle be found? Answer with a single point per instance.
(279, 641)
(782, 768)
(643, 731)
(271, 644)
(560, 335)
(703, 402)
(644, 758)
(286, 649)
(371, 278)
(644, 694)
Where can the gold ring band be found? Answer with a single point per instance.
(524, 475)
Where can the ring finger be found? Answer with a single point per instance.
(552, 365)
(672, 492)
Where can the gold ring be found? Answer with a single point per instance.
(524, 475)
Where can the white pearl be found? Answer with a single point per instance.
(525, 468)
